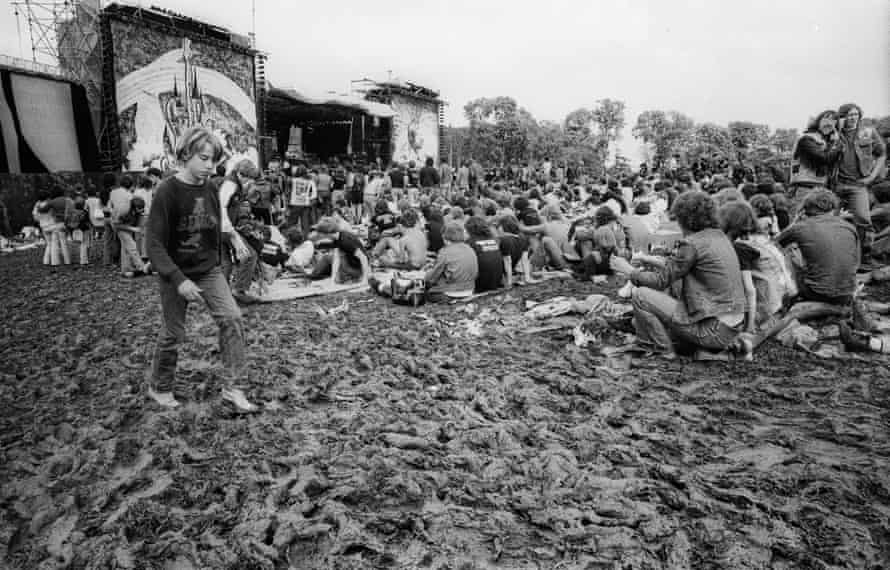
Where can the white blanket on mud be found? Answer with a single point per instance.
(288, 288)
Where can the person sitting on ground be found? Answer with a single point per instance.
(552, 246)
(272, 253)
(435, 225)
(710, 307)
(829, 250)
(409, 249)
(639, 226)
(765, 213)
(759, 255)
(514, 248)
(302, 251)
(383, 222)
(597, 245)
(347, 262)
(488, 255)
(456, 269)
(782, 209)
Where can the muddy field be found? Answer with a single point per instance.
(393, 438)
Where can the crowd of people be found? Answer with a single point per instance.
(745, 244)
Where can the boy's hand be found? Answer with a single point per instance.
(189, 291)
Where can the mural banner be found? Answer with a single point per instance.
(166, 83)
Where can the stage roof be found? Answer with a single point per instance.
(283, 99)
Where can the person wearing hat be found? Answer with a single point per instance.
(814, 156)
(863, 156)
(348, 262)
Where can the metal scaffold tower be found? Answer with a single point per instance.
(63, 34)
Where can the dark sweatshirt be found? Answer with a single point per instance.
(184, 230)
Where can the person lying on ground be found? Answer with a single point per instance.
(709, 309)
(407, 249)
(488, 255)
(347, 261)
(514, 247)
(829, 250)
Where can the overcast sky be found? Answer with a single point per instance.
(768, 61)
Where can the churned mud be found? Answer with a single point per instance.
(441, 437)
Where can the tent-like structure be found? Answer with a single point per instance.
(328, 125)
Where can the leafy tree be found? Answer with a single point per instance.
(608, 116)
(670, 132)
(746, 135)
(783, 140)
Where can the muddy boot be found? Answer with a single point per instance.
(853, 341)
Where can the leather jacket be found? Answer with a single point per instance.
(710, 278)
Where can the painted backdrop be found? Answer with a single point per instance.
(167, 83)
(415, 132)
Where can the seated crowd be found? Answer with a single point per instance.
(712, 260)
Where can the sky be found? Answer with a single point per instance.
(768, 61)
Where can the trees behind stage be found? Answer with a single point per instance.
(502, 132)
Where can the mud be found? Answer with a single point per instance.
(444, 437)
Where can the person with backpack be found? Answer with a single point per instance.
(238, 258)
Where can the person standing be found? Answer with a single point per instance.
(120, 202)
(863, 156)
(429, 176)
(302, 195)
(111, 248)
(184, 239)
(446, 178)
(238, 258)
(814, 157)
(324, 187)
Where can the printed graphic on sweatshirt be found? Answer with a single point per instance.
(199, 220)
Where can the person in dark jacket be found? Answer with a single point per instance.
(709, 309)
(814, 156)
(429, 176)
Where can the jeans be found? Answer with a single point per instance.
(130, 258)
(56, 251)
(86, 241)
(854, 198)
(215, 292)
(111, 247)
(653, 312)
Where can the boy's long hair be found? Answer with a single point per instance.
(193, 140)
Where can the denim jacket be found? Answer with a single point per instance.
(868, 147)
(707, 267)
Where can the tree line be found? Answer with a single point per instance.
(502, 132)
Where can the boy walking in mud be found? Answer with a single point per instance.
(184, 238)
